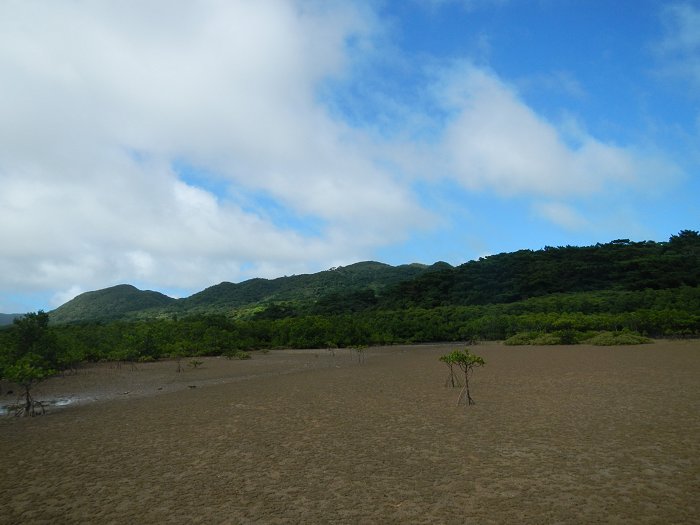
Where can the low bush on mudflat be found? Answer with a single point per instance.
(561, 337)
(571, 337)
(237, 354)
(625, 337)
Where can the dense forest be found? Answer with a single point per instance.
(556, 295)
(127, 303)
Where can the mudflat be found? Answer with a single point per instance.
(563, 434)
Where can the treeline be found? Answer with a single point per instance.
(655, 313)
(631, 273)
(620, 265)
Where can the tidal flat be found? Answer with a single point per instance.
(559, 434)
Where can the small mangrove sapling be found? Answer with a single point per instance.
(466, 361)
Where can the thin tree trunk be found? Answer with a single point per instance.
(27, 402)
(470, 401)
(465, 391)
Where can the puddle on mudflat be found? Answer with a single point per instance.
(7, 409)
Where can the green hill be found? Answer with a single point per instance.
(619, 266)
(109, 304)
(302, 288)
(300, 291)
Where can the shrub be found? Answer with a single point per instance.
(569, 337)
(561, 337)
(521, 338)
(624, 337)
(236, 354)
(547, 339)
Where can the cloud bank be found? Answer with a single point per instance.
(101, 102)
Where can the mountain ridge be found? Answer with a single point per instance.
(124, 302)
(620, 265)
(7, 319)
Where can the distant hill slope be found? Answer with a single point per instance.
(127, 302)
(108, 304)
(6, 319)
(620, 265)
(303, 288)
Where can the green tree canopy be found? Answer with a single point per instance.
(31, 356)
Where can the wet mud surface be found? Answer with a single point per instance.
(574, 434)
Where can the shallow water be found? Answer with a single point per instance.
(7, 409)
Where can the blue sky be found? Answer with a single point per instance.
(175, 145)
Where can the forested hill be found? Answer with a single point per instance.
(620, 265)
(109, 304)
(370, 275)
(125, 302)
(6, 319)
(617, 266)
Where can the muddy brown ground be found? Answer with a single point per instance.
(575, 434)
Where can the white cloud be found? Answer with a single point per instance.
(494, 141)
(680, 46)
(683, 27)
(100, 99)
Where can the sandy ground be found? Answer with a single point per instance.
(558, 435)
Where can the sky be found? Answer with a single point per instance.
(174, 145)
